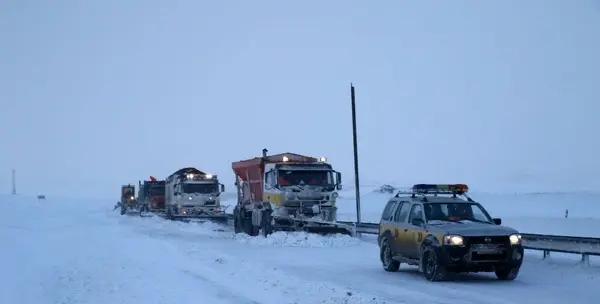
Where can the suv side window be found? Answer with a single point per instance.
(416, 212)
(387, 211)
(401, 211)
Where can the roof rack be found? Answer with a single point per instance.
(435, 189)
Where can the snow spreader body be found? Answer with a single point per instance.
(286, 192)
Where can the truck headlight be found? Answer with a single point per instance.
(190, 198)
(132, 198)
(454, 240)
(515, 239)
(334, 195)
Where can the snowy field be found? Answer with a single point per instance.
(80, 251)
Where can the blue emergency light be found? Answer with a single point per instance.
(440, 188)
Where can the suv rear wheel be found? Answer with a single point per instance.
(386, 256)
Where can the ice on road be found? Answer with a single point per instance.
(83, 252)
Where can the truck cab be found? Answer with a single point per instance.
(190, 192)
(128, 201)
(287, 192)
(302, 188)
(152, 194)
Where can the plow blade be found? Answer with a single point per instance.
(324, 230)
(317, 227)
(221, 219)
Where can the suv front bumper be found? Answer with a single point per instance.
(468, 259)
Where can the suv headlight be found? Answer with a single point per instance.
(515, 239)
(454, 240)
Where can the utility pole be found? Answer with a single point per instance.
(356, 181)
(14, 182)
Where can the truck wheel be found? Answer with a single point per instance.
(385, 255)
(247, 223)
(237, 225)
(266, 228)
(508, 274)
(432, 270)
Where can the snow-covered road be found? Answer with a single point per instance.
(82, 252)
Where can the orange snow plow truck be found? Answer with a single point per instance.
(286, 192)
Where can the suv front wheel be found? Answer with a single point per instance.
(508, 274)
(386, 256)
(432, 269)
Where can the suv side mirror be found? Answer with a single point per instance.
(222, 188)
(418, 222)
(497, 221)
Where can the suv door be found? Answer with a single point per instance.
(416, 229)
(401, 227)
(385, 223)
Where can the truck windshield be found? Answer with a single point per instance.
(456, 212)
(157, 191)
(305, 177)
(200, 188)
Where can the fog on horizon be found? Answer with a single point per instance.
(501, 95)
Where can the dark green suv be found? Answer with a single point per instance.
(442, 230)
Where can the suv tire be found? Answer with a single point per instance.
(432, 270)
(508, 274)
(385, 254)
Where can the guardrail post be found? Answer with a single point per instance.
(546, 253)
(585, 259)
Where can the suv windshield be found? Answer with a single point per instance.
(305, 177)
(455, 212)
(200, 188)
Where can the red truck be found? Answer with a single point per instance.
(151, 194)
(287, 191)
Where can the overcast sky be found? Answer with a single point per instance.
(502, 95)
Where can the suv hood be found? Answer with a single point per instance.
(474, 229)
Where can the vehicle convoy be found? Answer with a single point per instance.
(288, 192)
(442, 230)
(128, 203)
(193, 194)
(151, 194)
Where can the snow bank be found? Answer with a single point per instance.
(298, 239)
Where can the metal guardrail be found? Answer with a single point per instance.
(584, 246)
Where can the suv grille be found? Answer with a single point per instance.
(494, 239)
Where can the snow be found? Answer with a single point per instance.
(81, 251)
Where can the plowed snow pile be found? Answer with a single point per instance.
(298, 239)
